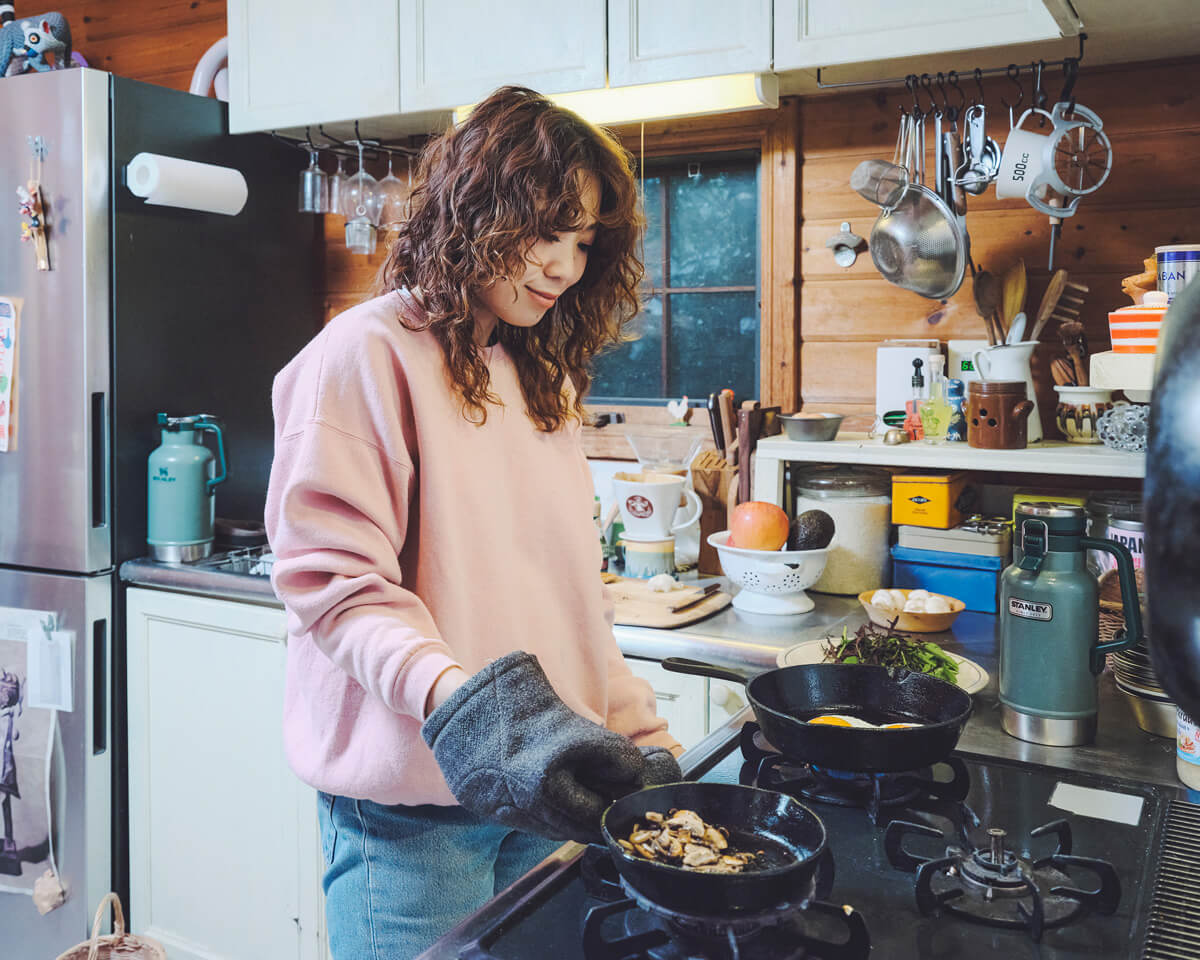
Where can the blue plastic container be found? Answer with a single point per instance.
(973, 580)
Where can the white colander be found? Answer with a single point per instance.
(771, 581)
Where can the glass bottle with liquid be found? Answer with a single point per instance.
(935, 407)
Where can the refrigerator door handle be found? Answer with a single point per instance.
(100, 718)
(99, 460)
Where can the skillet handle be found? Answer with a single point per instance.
(698, 668)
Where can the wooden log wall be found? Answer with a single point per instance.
(1151, 113)
(156, 41)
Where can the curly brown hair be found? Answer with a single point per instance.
(485, 192)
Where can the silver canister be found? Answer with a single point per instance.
(1115, 515)
(1178, 265)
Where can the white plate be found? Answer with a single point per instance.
(971, 676)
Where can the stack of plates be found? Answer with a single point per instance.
(1135, 677)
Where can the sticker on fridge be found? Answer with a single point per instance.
(9, 312)
(26, 742)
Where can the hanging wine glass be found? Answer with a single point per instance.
(395, 194)
(314, 190)
(361, 206)
(337, 185)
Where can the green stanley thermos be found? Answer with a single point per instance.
(1050, 657)
(182, 477)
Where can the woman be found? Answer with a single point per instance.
(454, 690)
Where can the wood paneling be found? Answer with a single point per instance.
(156, 41)
(1151, 113)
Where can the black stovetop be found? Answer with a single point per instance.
(1001, 794)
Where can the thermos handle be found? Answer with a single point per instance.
(1131, 634)
(221, 475)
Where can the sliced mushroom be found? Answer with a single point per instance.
(625, 844)
(689, 821)
(642, 836)
(695, 855)
(714, 839)
(654, 817)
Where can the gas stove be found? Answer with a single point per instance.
(976, 857)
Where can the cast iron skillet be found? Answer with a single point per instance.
(785, 698)
(791, 835)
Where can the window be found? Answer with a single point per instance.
(699, 327)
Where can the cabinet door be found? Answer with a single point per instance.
(455, 53)
(650, 41)
(681, 700)
(298, 62)
(222, 836)
(816, 33)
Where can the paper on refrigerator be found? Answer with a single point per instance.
(9, 312)
(26, 745)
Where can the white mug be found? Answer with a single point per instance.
(1021, 163)
(649, 502)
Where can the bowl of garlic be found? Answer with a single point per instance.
(913, 611)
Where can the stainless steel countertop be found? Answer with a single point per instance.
(735, 639)
(229, 582)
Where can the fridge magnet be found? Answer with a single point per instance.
(33, 226)
(26, 742)
(9, 310)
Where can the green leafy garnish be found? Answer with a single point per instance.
(883, 647)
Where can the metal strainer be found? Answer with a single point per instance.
(918, 242)
(919, 245)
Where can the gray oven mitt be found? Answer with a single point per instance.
(513, 752)
(661, 766)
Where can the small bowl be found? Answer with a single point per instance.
(771, 581)
(1079, 409)
(912, 622)
(811, 426)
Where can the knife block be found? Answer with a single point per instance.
(717, 490)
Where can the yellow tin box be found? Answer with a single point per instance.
(928, 499)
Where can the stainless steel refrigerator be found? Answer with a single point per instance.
(143, 308)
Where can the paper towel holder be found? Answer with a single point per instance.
(186, 184)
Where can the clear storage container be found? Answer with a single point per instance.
(857, 500)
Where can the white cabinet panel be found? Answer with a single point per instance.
(682, 700)
(297, 62)
(223, 837)
(458, 52)
(650, 41)
(816, 33)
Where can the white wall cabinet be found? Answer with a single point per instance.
(456, 53)
(297, 63)
(650, 41)
(225, 857)
(818, 33)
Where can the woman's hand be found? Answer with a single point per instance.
(447, 682)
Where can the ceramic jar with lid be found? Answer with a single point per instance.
(857, 498)
(997, 414)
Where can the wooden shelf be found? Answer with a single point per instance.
(1046, 457)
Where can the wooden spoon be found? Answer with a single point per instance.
(987, 303)
(1014, 292)
(1049, 302)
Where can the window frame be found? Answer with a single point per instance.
(774, 134)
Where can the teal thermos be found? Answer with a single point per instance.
(182, 477)
(1050, 654)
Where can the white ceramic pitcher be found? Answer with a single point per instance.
(1011, 362)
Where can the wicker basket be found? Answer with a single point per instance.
(1112, 613)
(118, 945)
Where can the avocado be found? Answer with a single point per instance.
(812, 530)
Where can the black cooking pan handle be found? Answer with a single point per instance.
(698, 668)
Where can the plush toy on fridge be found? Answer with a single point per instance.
(25, 43)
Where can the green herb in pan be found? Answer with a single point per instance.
(880, 646)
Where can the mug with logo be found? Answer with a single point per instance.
(649, 503)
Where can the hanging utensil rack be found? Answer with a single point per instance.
(1067, 63)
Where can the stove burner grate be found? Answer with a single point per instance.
(996, 887)
(765, 767)
(647, 931)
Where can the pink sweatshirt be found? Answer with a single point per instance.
(408, 540)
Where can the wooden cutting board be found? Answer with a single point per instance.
(639, 606)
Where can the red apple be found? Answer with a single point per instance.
(757, 525)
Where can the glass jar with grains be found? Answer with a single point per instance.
(857, 500)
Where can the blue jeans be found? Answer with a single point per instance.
(398, 877)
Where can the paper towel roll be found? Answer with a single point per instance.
(172, 182)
